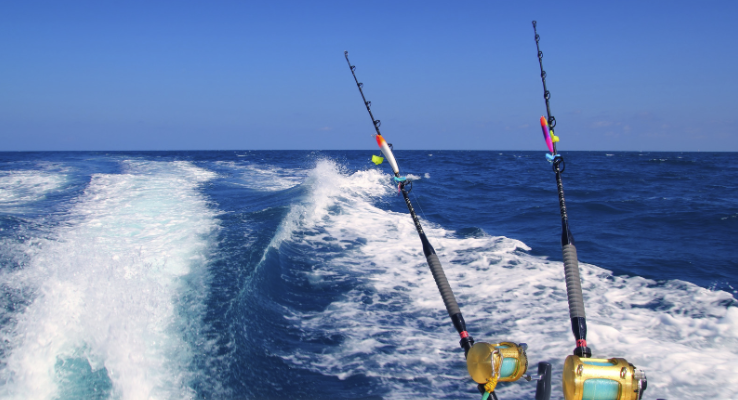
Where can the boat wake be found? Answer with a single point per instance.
(393, 327)
(106, 314)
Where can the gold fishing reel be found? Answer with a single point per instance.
(602, 379)
(499, 362)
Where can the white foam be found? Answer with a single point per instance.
(395, 328)
(264, 177)
(324, 194)
(107, 288)
(23, 187)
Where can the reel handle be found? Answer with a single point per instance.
(543, 387)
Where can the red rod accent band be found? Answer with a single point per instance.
(581, 343)
(464, 334)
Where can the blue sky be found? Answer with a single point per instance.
(195, 75)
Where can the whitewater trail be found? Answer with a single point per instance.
(393, 326)
(108, 306)
(22, 187)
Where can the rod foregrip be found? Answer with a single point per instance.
(576, 300)
(573, 281)
(442, 283)
(449, 300)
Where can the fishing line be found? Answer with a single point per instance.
(419, 205)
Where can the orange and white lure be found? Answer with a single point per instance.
(387, 151)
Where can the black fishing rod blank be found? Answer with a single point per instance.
(571, 264)
(584, 377)
(449, 300)
(487, 363)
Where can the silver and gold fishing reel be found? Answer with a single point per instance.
(499, 362)
(490, 363)
(602, 379)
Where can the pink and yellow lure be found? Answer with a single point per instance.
(548, 135)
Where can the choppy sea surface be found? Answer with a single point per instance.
(299, 274)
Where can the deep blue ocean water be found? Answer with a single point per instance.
(299, 274)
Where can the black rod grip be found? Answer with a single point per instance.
(576, 300)
(573, 281)
(449, 300)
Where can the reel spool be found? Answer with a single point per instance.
(504, 362)
(602, 379)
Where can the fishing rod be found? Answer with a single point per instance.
(487, 363)
(584, 377)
